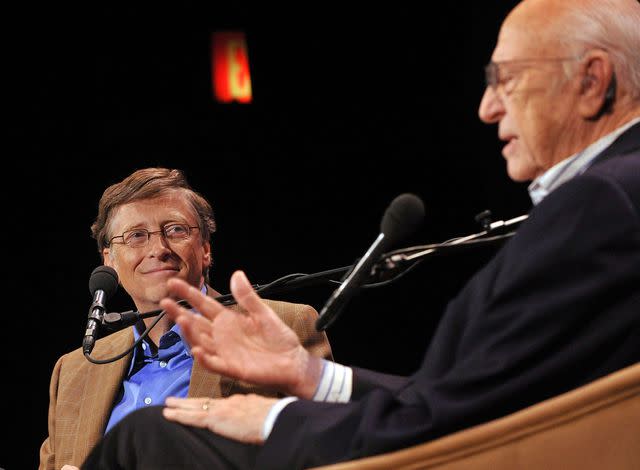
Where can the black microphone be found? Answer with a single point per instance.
(402, 217)
(103, 283)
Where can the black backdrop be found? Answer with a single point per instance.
(351, 108)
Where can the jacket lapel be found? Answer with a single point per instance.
(204, 383)
(102, 385)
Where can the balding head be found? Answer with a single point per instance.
(563, 74)
(574, 26)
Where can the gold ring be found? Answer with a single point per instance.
(205, 405)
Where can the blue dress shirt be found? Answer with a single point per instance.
(155, 373)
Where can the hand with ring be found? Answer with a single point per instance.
(239, 417)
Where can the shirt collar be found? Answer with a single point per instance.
(175, 328)
(574, 165)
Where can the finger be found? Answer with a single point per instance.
(202, 303)
(173, 309)
(197, 418)
(190, 324)
(188, 403)
(205, 342)
(245, 295)
(212, 362)
(195, 328)
(191, 411)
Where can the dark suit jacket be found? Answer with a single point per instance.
(82, 394)
(557, 307)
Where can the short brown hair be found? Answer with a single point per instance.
(145, 184)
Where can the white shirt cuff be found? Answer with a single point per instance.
(335, 384)
(273, 414)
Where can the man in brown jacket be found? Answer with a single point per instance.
(86, 399)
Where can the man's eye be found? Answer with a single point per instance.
(506, 78)
(175, 230)
(136, 235)
(508, 82)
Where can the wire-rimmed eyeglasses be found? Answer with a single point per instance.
(494, 71)
(139, 237)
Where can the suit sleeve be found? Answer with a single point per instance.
(557, 308)
(365, 381)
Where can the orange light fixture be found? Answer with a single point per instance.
(230, 67)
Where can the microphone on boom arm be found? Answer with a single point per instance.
(103, 283)
(402, 217)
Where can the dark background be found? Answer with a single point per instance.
(351, 108)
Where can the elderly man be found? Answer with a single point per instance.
(555, 309)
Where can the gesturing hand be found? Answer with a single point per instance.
(252, 344)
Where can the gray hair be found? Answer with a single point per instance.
(613, 25)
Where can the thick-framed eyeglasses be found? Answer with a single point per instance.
(499, 73)
(139, 237)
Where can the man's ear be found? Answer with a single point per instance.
(208, 256)
(597, 85)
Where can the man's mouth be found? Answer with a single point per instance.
(510, 147)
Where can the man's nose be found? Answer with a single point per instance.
(491, 107)
(158, 244)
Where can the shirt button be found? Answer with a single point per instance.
(144, 346)
(163, 364)
(147, 401)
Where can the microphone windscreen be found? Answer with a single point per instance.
(103, 278)
(403, 216)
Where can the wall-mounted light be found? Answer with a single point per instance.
(230, 67)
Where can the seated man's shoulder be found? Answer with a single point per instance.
(290, 311)
(624, 170)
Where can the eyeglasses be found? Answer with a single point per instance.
(139, 237)
(497, 73)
